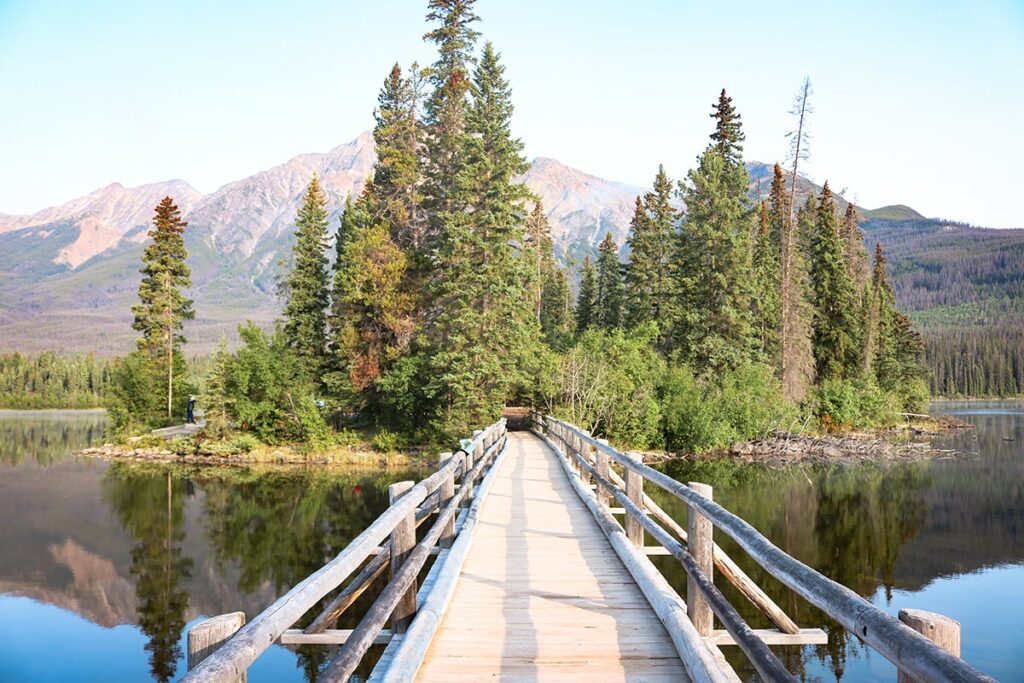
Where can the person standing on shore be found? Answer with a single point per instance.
(190, 414)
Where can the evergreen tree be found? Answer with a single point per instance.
(853, 248)
(835, 337)
(897, 347)
(540, 252)
(556, 315)
(713, 258)
(162, 310)
(215, 399)
(485, 324)
(610, 289)
(768, 286)
(795, 356)
(446, 108)
(649, 294)
(305, 311)
(728, 134)
(398, 137)
(586, 300)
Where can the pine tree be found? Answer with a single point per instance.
(713, 257)
(398, 137)
(305, 311)
(835, 337)
(556, 314)
(897, 348)
(728, 134)
(539, 250)
(162, 310)
(485, 325)
(649, 294)
(767, 285)
(610, 289)
(586, 299)
(216, 399)
(795, 356)
(853, 248)
(446, 108)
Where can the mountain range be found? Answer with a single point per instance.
(69, 273)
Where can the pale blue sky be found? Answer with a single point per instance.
(916, 102)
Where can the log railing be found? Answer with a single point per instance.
(411, 505)
(589, 459)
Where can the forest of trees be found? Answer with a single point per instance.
(443, 301)
(47, 380)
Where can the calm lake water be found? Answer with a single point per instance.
(103, 565)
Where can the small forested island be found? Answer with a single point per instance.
(438, 300)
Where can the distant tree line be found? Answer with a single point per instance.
(48, 380)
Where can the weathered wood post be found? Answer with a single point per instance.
(604, 496)
(403, 538)
(583, 448)
(700, 543)
(445, 493)
(635, 491)
(208, 635)
(939, 629)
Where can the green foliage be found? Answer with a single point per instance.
(840, 405)
(137, 393)
(703, 414)
(305, 313)
(649, 285)
(162, 309)
(388, 441)
(608, 384)
(215, 393)
(611, 294)
(182, 445)
(585, 314)
(48, 380)
(714, 331)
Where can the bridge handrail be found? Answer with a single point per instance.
(910, 651)
(231, 660)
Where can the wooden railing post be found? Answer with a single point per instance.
(700, 543)
(941, 630)
(635, 491)
(445, 493)
(604, 496)
(403, 538)
(206, 636)
(583, 448)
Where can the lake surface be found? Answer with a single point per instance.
(943, 535)
(102, 566)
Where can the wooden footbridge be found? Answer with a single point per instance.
(534, 578)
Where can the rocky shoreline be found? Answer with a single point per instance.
(274, 457)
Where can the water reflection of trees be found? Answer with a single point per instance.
(270, 527)
(46, 439)
(151, 507)
(848, 522)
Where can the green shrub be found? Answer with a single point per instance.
(245, 443)
(841, 405)
(150, 441)
(182, 445)
(388, 441)
(702, 415)
(347, 438)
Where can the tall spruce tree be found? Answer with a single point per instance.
(768, 285)
(162, 308)
(897, 347)
(713, 258)
(853, 249)
(728, 134)
(446, 107)
(836, 326)
(649, 295)
(610, 297)
(586, 299)
(556, 314)
(305, 312)
(485, 325)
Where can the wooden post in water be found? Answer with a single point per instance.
(700, 544)
(403, 538)
(941, 630)
(445, 494)
(206, 636)
(635, 491)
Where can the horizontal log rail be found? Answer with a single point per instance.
(908, 650)
(232, 659)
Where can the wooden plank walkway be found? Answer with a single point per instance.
(542, 596)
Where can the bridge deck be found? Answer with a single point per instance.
(542, 596)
